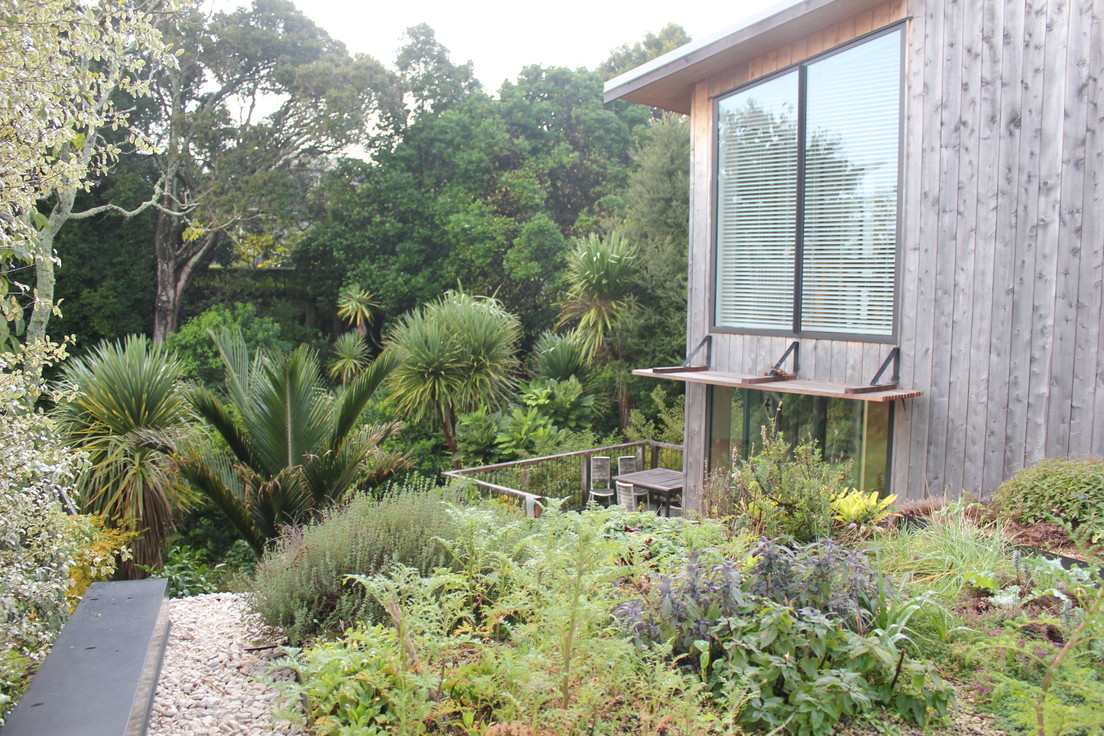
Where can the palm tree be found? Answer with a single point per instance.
(350, 357)
(453, 355)
(559, 357)
(123, 409)
(355, 305)
(293, 446)
(601, 277)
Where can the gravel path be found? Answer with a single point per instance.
(209, 684)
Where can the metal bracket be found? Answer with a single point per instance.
(777, 371)
(705, 341)
(894, 357)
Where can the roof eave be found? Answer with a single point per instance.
(667, 82)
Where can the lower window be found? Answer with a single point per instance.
(844, 429)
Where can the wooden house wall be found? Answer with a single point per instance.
(1002, 253)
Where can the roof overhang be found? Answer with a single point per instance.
(667, 82)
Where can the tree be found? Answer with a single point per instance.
(292, 446)
(350, 357)
(453, 355)
(355, 305)
(627, 57)
(602, 284)
(125, 412)
(428, 74)
(64, 66)
(230, 170)
(656, 219)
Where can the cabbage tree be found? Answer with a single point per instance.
(453, 355)
(124, 410)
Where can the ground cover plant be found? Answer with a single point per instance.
(1069, 491)
(609, 621)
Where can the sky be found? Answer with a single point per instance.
(502, 36)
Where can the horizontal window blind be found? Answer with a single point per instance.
(852, 124)
(844, 257)
(757, 206)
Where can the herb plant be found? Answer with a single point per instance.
(804, 633)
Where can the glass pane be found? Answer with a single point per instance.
(853, 121)
(756, 206)
(846, 430)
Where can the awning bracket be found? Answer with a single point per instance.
(777, 373)
(705, 341)
(894, 357)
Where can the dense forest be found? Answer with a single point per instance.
(390, 185)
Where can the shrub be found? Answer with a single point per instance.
(187, 572)
(199, 357)
(517, 638)
(795, 634)
(300, 583)
(1069, 489)
(102, 547)
(781, 491)
(37, 543)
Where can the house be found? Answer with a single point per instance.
(896, 235)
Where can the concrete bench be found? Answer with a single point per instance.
(100, 677)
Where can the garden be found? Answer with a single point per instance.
(808, 608)
(267, 358)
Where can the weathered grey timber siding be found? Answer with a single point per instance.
(1002, 252)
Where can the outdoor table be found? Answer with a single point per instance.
(666, 483)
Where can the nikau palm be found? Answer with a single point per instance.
(125, 411)
(293, 446)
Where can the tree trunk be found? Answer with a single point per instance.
(166, 305)
(44, 266)
(177, 262)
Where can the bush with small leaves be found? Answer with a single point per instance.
(1068, 489)
(38, 543)
(780, 491)
(300, 583)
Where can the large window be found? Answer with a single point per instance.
(807, 206)
(845, 430)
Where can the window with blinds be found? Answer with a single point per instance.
(807, 207)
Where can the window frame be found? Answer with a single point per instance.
(799, 235)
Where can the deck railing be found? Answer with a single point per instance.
(564, 476)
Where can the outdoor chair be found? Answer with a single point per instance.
(625, 495)
(627, 464)
(600, 490)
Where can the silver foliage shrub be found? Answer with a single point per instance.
(37, 540)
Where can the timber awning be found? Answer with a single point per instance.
(783, 384)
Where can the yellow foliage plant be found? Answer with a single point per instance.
(855, 511)
(102, 548)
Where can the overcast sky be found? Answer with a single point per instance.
(502, 36)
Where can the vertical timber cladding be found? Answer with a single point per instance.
(1002, 241)
(821, 360)
(1003, 248)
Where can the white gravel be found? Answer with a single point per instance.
(209, 683)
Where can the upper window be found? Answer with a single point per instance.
(807, 205)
